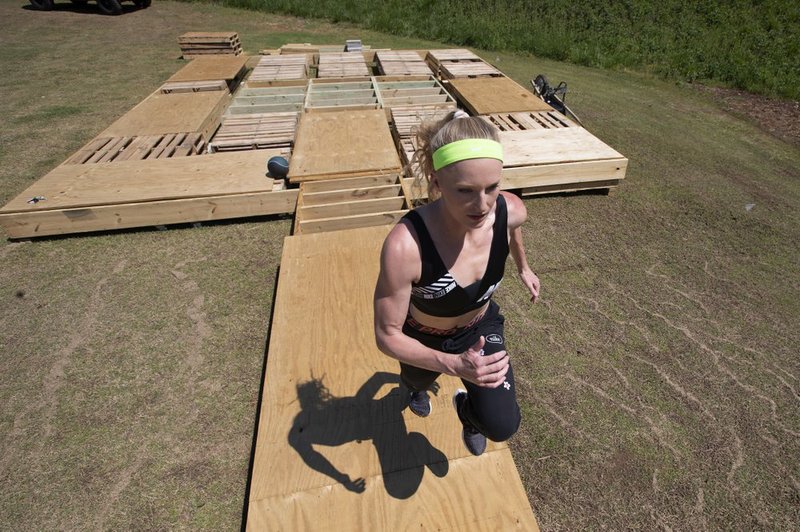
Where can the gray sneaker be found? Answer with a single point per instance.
(474, 441)
(420, 403)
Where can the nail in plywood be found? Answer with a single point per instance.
(194, 112)
(483, 96)
(136, 193)
(342, 143)
(332, 413)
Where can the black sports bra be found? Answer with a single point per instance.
(437, 293)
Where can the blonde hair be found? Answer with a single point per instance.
(430, 136)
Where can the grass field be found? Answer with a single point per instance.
(659, 375)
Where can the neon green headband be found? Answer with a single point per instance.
(461, 150)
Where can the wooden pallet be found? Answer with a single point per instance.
(110, 149)
(349, 203)
(94, 197)
(406, 119)
(332, 408)
(459, 63)
(255, 131)
(272, 68)
(274, 99)
(401, 63)
(339, 94)
(342, 65)
(343, 143)
(200, 44)
(206, 72)
(484, 96)
(529, 120)
(409, 92)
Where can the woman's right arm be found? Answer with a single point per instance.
(400, 266)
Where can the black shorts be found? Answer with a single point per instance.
(493, 411)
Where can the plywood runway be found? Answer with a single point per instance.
(335, 450)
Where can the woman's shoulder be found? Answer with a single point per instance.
(515, 207)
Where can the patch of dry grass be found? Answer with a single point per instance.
(658, 376)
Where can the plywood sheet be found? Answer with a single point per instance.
(225, 67)
(547, 146)
(158, 114)
(76, 186)
(341, 143)
(495, 95)
(332, 414)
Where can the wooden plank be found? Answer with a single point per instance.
(159, 114)
(350, 194)
(212, 68)
(193, 86)
(607, 185)
(326, 377)
(471, 69)
(495, 95)
(336, 144)
(350, 208)
(79, 186)
(124, 216)
(312, 187)
(560, 174)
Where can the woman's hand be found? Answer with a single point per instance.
(531, 282)
(488, 371)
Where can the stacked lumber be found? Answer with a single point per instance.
(401, 63)
(196, 43)
(335, 94)
(459, 63)
(338, 144)
(529, 120)
(342, 65)
(255, 131)
(412, 91)
(308, 48)
(272, 68)
(484, 96)
(349, 203)
(277, 99)
(108, 149)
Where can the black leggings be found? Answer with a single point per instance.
(493, 411)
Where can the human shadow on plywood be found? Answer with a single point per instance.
(326, 420)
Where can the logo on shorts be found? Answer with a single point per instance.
(494, 339)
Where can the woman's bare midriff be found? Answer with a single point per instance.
(449, 322)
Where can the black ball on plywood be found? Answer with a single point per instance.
(278, 167)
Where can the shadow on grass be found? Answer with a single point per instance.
(83, 8)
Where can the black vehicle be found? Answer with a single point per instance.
(107, 7)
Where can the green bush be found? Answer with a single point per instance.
(752, 45)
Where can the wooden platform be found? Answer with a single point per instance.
(408, 91)
(529, 120)
(255, 131)
(483, 96)
(332, 414)
(460, 63)
(559, 160)
(79, 198)
(342, 65)
(275, 68)
(343, 144)
(277, 99)
(401, 63)
(228, 68)
(341, 93)
(159, 114)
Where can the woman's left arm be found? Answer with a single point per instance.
(517, 214)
